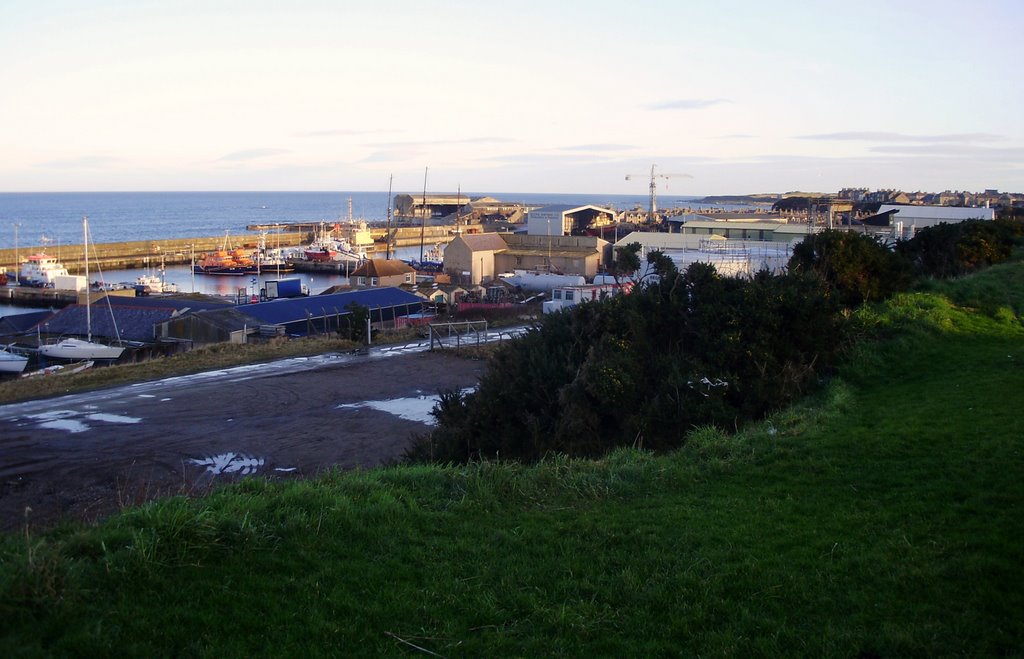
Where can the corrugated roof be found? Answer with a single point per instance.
(133, 323)
(484, 242)
(19, 323)
(382, 268)
(565, 208)
(194, 302)
(277, 312)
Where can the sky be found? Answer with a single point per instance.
(516, 96)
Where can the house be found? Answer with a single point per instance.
(569, 296)
(382, 272)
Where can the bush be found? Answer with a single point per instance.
(642, 369)
(856, 268)
(955, 249)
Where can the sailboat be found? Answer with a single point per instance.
(79, 348)
(11, 362)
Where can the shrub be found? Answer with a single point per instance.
(955, 249)
(855, 267)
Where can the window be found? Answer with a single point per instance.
(408, 277)
(373, 281)
(568, 296)
(362, 281)
(556, 294)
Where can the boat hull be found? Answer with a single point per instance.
(11, 363)
(231, 271)
(79, 349)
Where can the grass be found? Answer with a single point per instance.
(881, 518)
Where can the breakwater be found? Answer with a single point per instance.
(141, 253)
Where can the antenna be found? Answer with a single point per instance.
(423, 220)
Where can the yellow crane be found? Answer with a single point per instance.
(653, 208)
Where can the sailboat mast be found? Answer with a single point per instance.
(423, 220)
(387, 232)
(85, 244)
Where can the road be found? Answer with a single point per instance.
(85, 455)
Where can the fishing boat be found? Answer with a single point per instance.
(226, 261)
(12, 363)
(72, 348)
(40, 270)
(328, 248)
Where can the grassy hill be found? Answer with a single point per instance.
(882, 518)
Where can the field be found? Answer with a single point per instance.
(882, 517)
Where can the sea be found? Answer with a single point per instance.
(52, 219)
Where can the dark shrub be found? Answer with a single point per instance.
(955, 249)
(855, 267)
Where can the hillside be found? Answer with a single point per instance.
(882, 518)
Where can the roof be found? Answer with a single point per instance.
(382, 268)
(19, 323)
(949, 213)
(277, 312)
(130, 323)
(483, 242)
(571, 208)
(187, 302)
(690, 217)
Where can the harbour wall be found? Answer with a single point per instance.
(139, 254)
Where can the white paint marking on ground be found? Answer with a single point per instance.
(70, 425)
(164, 400)
(146, 396)
(113, 418)
(285, 469)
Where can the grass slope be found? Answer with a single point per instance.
(882, 518)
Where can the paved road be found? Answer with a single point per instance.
(86, 454)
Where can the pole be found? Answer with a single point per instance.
(17, 261)
(423, 220)
(193, 246)
(652, 208)
(387, 233)
(85, 243)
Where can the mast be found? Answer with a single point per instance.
(85, 244)
(423, 220)
(387, 234)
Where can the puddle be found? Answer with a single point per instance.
(416, 408)
(113, 418)
(70, 425)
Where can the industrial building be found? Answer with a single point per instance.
(478, 258)
(566, 220)
(730, 257)
(919, 217)
(303, 316)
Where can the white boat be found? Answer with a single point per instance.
(60, 369)
(154, 284)
(12, 363)
(40, 270)
(72, 348)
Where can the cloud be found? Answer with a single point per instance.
(82, 162)
(688, 104)
(435, 143)
(600, 147)
(252, 154)
(951, 151)
(341, 132)
(882, 136)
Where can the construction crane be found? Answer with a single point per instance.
(653, 208)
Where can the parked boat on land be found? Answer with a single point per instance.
(74, 348)
(40, 270)
(61, 369)
(11, 362)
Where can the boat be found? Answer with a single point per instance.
(72, 348)
(328, 248)
(150, 283)
(226, 261)
(40, 270)
(61, 369)
(12, 363)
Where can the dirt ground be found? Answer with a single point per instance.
(88, 455)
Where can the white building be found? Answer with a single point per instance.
(919, 217)
(569, 296)
(562, 219)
